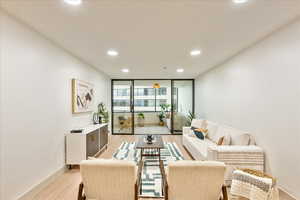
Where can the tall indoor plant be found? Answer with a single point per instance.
(190, 117)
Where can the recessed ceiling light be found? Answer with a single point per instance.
(73, 2)
(112, 53)
(239, 1)
(195, 52)
(180, 70)
(125, 70)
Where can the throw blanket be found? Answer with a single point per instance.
(251, 186)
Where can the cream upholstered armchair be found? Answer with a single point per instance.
(194, 180)
(109, 179)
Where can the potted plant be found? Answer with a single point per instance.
(161, 117)
(103, 113)
(165, 109)
(141, 119)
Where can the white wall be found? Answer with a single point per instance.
(259, 91)
(1, 113)
(36, 103)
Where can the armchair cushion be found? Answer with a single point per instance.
(189, 179)
(102, 177)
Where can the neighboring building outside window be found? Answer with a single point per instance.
(145, 98)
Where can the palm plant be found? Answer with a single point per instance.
(190, 117)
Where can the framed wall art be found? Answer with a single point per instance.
(83, 95)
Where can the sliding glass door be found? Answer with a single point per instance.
(150, 97)
(122, 107)
(183, 104)
(151, 106)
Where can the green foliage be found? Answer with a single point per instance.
(190, 117)
(164, 110)
(103, 113)
(165, 107)
(161, 116)
(141, 115)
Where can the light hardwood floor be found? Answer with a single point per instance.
(65, 187)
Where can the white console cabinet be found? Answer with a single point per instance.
(90, 142)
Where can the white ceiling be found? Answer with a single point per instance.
(152, 34)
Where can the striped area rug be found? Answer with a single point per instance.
(151, 176)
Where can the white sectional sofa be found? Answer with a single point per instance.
(238, 149)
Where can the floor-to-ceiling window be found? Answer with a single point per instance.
(122, 112)
(148, 102)
(183, 103)
(151, 106)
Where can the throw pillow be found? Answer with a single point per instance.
(242, 140)
(220, 142)
(193, 128)
(227, 139)
(203, 131)
(199, 134)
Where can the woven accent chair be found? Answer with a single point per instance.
(194, 180)
(109, 179)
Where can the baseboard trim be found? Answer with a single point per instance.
(29, 195)
(282, 190)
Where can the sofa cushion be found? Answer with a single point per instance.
(201, 145)
(223, 131)
(198, 123)
(212, 129)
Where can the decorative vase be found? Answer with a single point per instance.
(149, 139)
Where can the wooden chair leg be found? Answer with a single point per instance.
(166, 193)
(81, 196)
(224, 192)
(136, 192)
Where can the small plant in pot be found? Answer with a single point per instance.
(165, 108)
(141, 119)
(103, 113)
(161, 117)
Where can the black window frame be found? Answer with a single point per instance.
(132, 95)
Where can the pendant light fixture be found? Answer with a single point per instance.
(156, 85)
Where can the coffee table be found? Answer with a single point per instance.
(157, 145)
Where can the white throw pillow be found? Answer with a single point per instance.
(242, 140)
(252, 140)
(212, 129)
